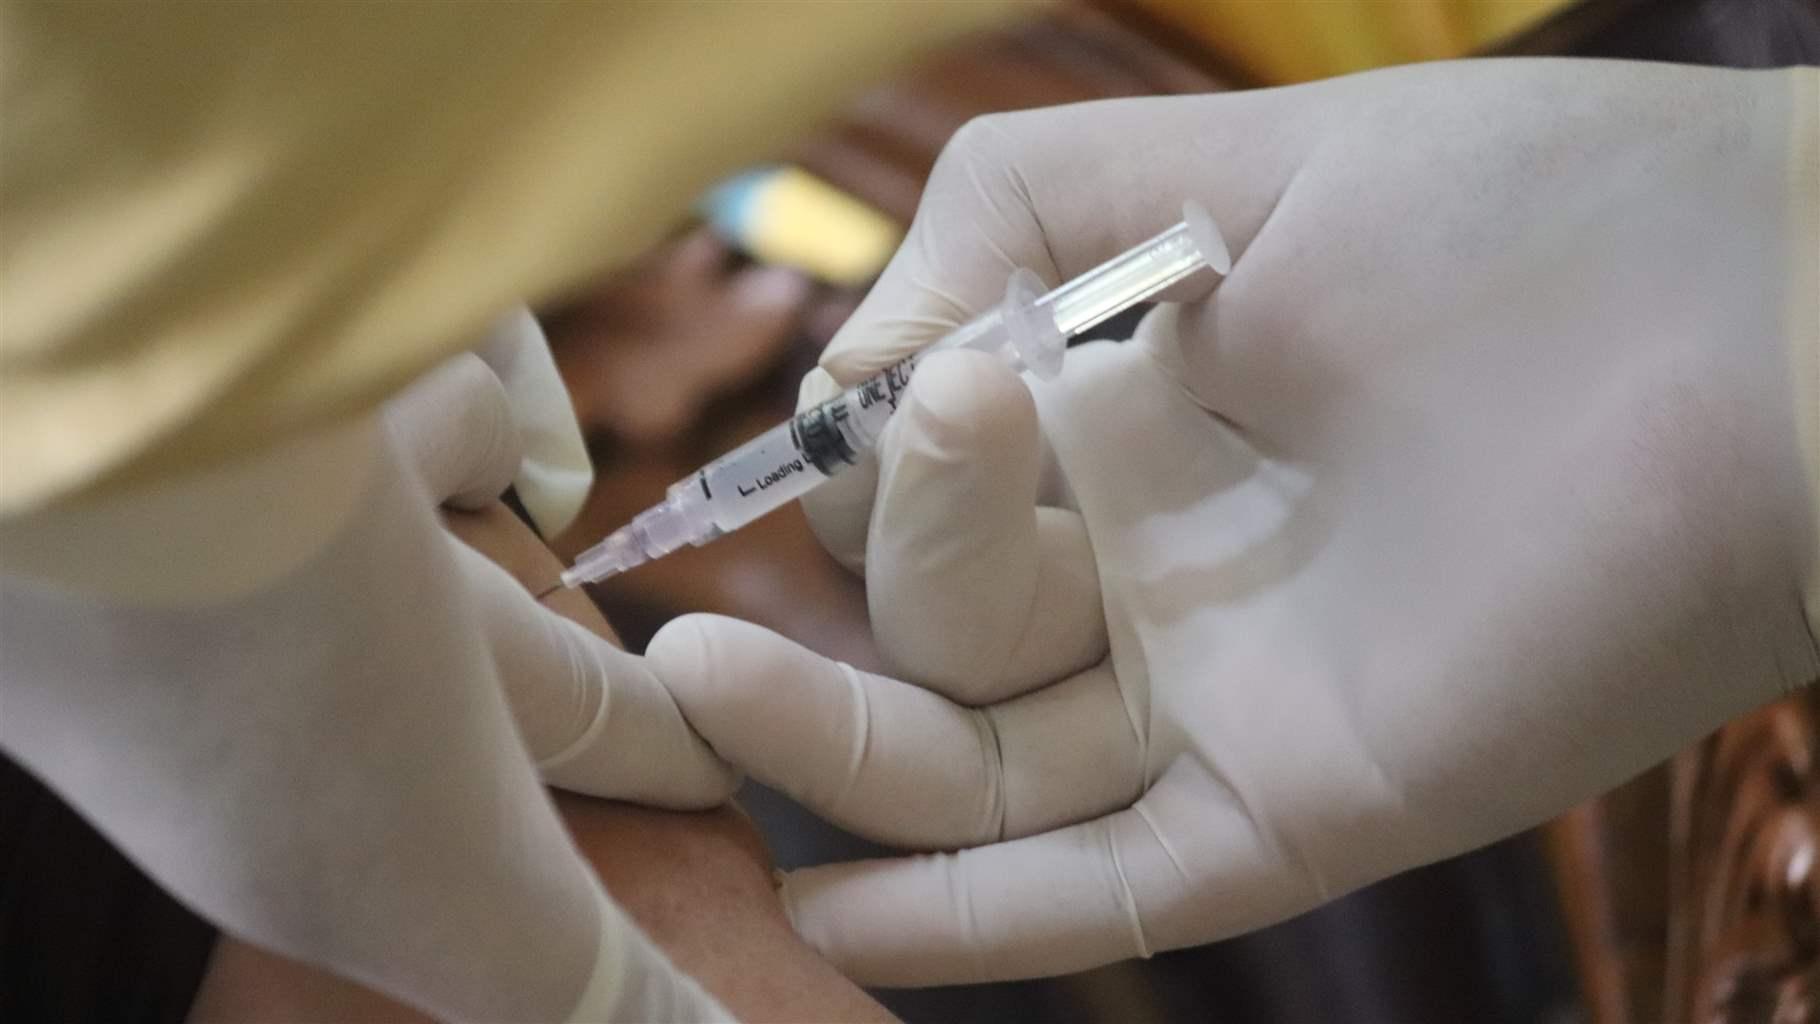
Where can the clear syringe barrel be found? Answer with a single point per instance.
(1030, 330)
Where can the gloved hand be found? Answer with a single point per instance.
(1472, 491)
(276, 685)
(593, 717)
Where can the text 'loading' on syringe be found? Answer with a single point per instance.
(1030, 330)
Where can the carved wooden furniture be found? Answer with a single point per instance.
(1691, 892)
(1744, 904)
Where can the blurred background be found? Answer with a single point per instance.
(1686, 895)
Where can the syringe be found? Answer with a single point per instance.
(1030, 329)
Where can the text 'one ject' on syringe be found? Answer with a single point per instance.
(1029, 329)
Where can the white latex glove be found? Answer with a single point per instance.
(276, 686)
(554, 472)
(593, 717)
(1471, 492)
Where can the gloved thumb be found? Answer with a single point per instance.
(594, 718)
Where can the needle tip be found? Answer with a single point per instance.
(547, 591)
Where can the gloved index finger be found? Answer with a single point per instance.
(962, 246)
(455, 428)
(1060, 190)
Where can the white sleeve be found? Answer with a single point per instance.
(267, 685)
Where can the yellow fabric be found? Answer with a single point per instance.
(1282, 41)
(1804, 296)
(224, 223)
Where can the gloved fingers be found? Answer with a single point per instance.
(454, 428)
(975, 591)
(594, 718)
(893, 761)
(1182, 865)
(553, 473)
(1042, 905)
(840, 511)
